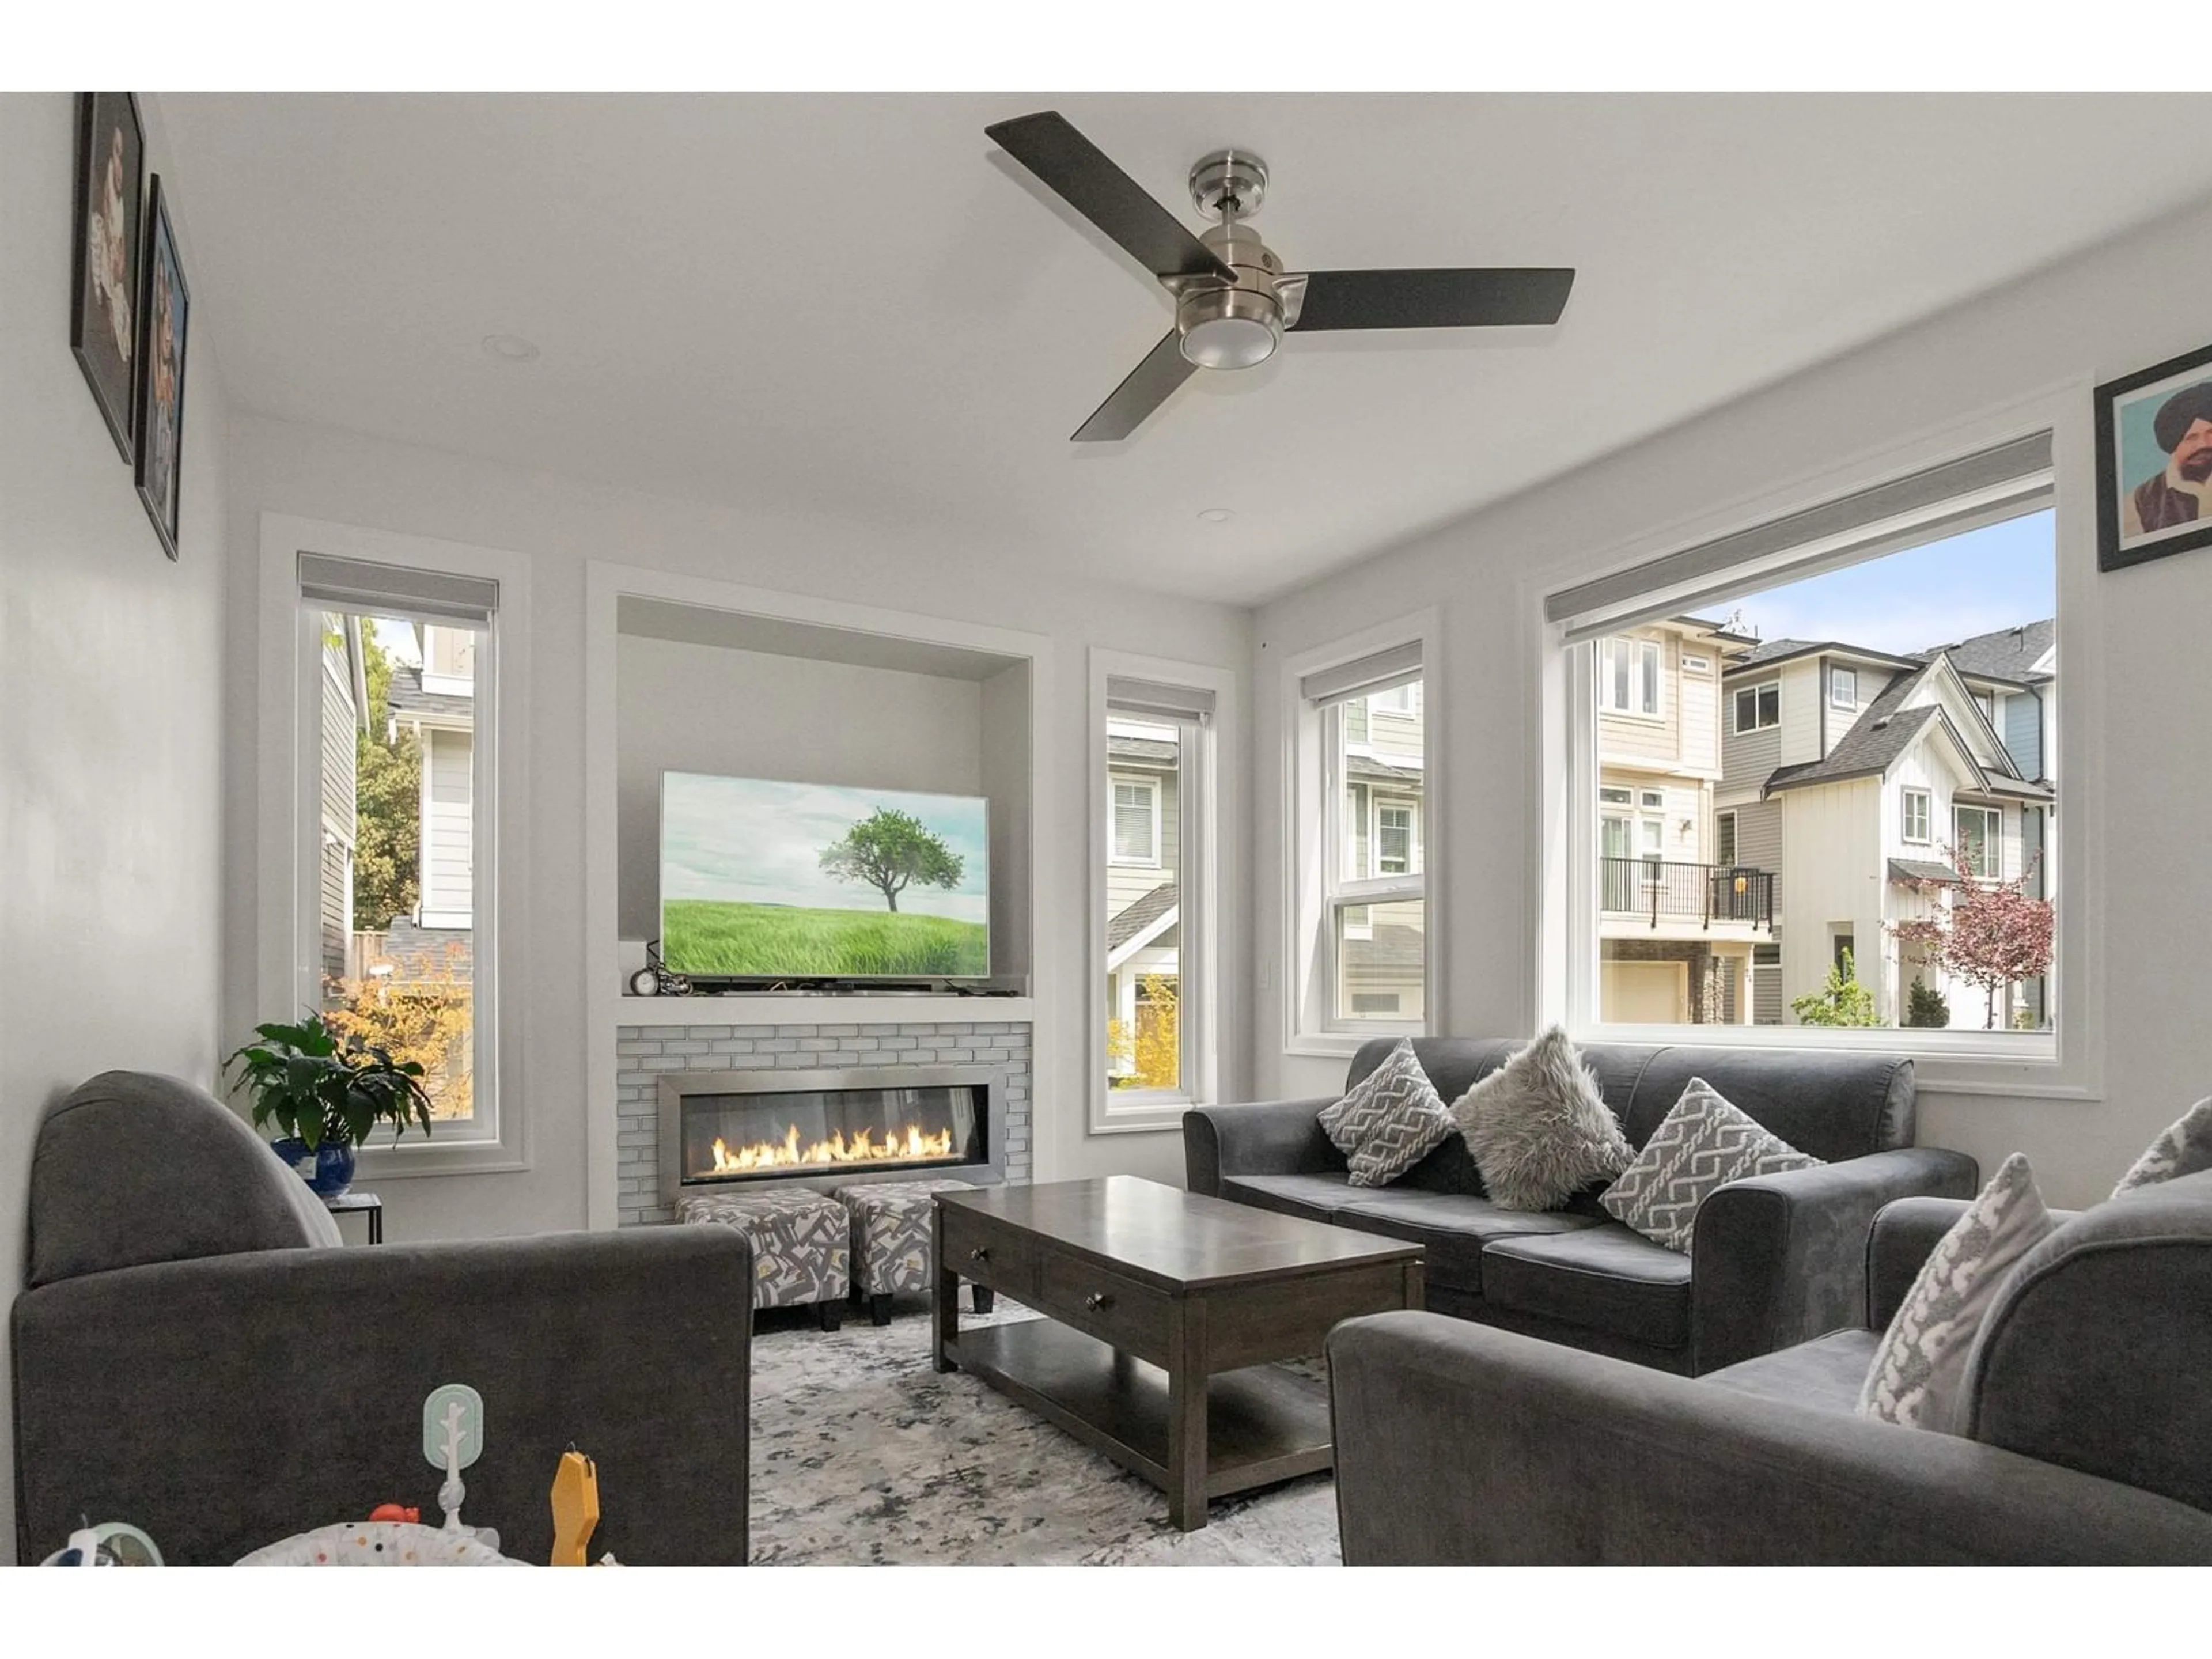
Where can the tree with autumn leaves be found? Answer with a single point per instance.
(1991, 933)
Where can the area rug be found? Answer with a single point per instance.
(863, 1455)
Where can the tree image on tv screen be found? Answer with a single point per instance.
(891, 851)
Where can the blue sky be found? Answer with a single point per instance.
(757, 841)
(1947, 590)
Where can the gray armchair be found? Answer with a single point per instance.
(2085, 1433)
(195, 1354)
(1775, 1259)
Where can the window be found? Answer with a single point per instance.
(1136, 823)
(1699, 667)
(1156, 737)
(1916, 815)
(1652, 799)
(1977, 834)
(1759, 708)
(1628, 677)
(1640, 931)
(1987, 702)
(1358, 950)
(403, 839)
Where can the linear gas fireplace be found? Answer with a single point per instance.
(722, 1127)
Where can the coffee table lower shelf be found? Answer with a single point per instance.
(1264, 1424)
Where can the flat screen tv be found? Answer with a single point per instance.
(762, 879)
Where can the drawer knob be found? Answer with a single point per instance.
(1098, 1301)
(981, 1253)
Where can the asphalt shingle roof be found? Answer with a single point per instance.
(405, 696)
(2008, 653)
(1882, 732)
(1922, 869)
(1140, 914)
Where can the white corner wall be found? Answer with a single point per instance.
(562, 525)
(111, 688)
(2133, 654)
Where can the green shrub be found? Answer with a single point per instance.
(1842, 1001)
(1925, 1006)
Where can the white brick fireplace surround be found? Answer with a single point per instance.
(714, 1037)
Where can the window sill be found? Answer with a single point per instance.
(401, 1163)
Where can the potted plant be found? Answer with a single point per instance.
(326, 1095)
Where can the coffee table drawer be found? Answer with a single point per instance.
(1103, 1304)
(986, 1252)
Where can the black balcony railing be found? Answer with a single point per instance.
(1703, 893)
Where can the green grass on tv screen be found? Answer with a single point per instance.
(712, 937)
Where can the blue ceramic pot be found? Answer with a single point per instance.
(328, 1170)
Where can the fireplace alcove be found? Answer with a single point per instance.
(721, 1131)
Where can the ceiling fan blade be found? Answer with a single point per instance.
(1433, 299)
(1163, 369)
(1088, 181)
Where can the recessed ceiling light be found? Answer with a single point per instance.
(511, 347)
(1215, 515)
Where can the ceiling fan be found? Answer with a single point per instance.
(1234, 301)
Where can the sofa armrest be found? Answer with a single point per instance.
(1778, 1259)
(225, 1402)
(1904, 1235)
(1275, 1137)
(1462, 1444)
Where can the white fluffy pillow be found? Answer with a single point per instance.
(1539, 1129)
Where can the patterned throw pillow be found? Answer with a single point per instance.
(1699, 1147)
(1919, 1371)
(2185, 1149)
(1390, 1121)
(1539, 1129)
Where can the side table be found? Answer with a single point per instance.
(347, 1203)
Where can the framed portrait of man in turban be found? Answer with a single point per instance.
(2154, 462)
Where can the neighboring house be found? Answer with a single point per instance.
(1684, 908)
(437, 702)
(344, 710)
(1143, 829)
(1382, 964)
(1850, 771)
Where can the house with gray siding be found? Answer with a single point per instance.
(1857, 774)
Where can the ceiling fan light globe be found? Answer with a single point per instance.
(1229, 341)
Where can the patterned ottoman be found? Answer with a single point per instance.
(801, 1246)
(892, 1223)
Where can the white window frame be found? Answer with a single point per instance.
(2066, 1064)
(1200, 875)
(1115, 783)
(1735, 707)
(1838, 679)
(1992, 838)
(1647, 666)
(1312, 797)
(1694, 663)
(288, 972)
(1378, 804)
(1927, 816)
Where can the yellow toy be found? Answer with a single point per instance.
(575, 1507)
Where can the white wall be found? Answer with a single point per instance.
(563, 523)
(111, 665)
(682, 707)
(2135, 646)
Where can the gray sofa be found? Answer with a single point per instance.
(194, 1354)
(2088, 1435)
(1775, 1259)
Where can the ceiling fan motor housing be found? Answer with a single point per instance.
(1239, 325)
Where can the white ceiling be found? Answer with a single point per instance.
(855, 305)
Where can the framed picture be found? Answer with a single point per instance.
(111, 154)
(164, 313)
(2154, 462)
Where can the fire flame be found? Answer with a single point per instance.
(863, 1148)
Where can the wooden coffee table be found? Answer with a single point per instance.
(1165, 1313)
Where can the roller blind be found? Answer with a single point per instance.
(1381, 671)
(365, 585)
(1982, 488)
(1158, 701)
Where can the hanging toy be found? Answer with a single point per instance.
(452, 1439)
